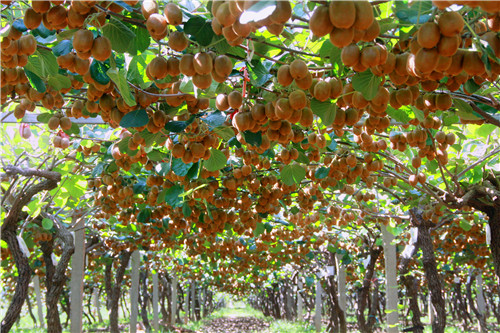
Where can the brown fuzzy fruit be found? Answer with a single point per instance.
(156, 24)
(304, 83)
(448, 46)
(221, 102)
(284, 77)
(443, 102)
(428, 35)
(320, 23)
(350, 55)
(173, 14)
(426, 60)
(203, 63)
(341, 37)
(202, 81)
(364, 15)
(65, 123)
(235, 99)
(451, 23)
(322, 91)
(158, 68)
(307, 117)
(26, 45)
(57, 15)
(148, 8)
(83, 40)
(53, 123)
(342, 14)
(32, 19)
(298, 69)
(223, 65)
(473, 65)
(297, 99)
(282, 13)
(40, 6)
(173, 66)
(177, 41)
(224, 15)
(370, 56)
(101, 48)
(187, 65)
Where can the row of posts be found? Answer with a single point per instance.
(78, 271)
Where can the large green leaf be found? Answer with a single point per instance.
(137, 69)
(402, 114)
(43, 63)
(59, 82)
(137, 118)
(366, 83)
(292, 174)
(200, 30)
(464, 110)
(216, 161)
(177, 126)
(325, 110)
(180, 168)
(172, 197)
(35, 81)
(254, 139)
(98, 71)
(118, 34)
(119, 77)
(141, 40)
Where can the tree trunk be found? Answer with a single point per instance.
(113, 289)
(364, 292)
(494, 223)
(430, 269)
(30, 311)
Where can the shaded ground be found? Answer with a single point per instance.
(235, 325)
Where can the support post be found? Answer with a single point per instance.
(319, 306)
(77, 275)
(39, 306)
(186, 305)
(97, 303)
(156, 318)
(391, 283)
(173, 313)
(341, 282)
(134, 290)
(193, 300)
(300, 306)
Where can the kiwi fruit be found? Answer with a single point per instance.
(57, 15)
(26, 45)
(173, 66)
(83, 40)
(283, 76)
(448, 46)
(283, 109)
(216, 26)
(404, 96)
(372, 32)
(32, 19)
(341, 37)
(242, 30)
(364, 15)
(177, 41)
(322, 90)
(358, 100)
(187, 65)
(81, 66)
(451, 23)
(298, 69)
(370, 56)
(494, 42)
(156, 24)
(350, 55)
(335, 87)
(342, 14)
(428, 35)
(223, 65)
(203, 63)
(297, 99)
(443, 102)
(235, 99)
(173, 14)
(229, 33)
(158, 68)
(65, 123)
(282, 13)
(456, 63)
(320, 23)
(224, 15)
(426, 60)
(53, 123)
(101, 48)
(41, 6)
(307, 117)
(304, 83)
(472, 63)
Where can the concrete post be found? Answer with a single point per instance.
(134, 290)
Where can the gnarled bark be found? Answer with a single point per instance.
(364, 293)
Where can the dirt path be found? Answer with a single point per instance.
(235, 324)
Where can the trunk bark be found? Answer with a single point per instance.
(430, 270)
(113, 289)
(364, 293)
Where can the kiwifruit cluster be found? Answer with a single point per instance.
(61, 141)
(16, 48)
(226, 19)
(346, 21)
(157, 23)
(203, 67)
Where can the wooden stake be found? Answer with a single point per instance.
(134, 290)
(156, 319)
(77, 275)
(391, 283)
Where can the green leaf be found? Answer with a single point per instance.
(259, 229)
(180, 168)
(254, 139)
(172, 196)
(485, 130)
(321, 173)
(186, 210)
(419, 114)
(216, 161)
(137, 118)
(259, 72)
(200, 30)
(43, 63)
(62, 48)
(193, 171)
(177, 126)
(98, 71)
(44, 117)
(292, 174)
(137, 69)
(325, 110)
(118, 34)
(225, 132)
(156, 156)
(144, 215)
(47, 224)
(366, 83)
(59, 82)
(471, 86)
(120, 80)
(402, 114)
(35, 81)
(465, 225)
(140, 42)
(464, 110)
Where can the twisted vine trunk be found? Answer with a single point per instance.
(113, 289)
(364, 294)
